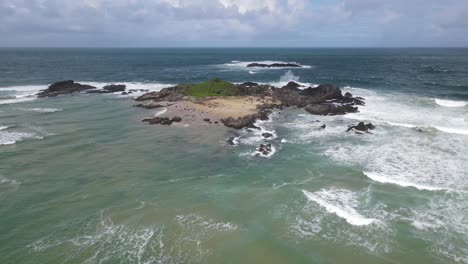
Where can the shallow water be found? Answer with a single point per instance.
(82, 180)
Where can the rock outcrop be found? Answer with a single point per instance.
(361, 127)
(274, 65)
(325, 99)
(166, 121)
(112, 88)
(264, 150)
(170, 94)
(330, 109)
(64, 87)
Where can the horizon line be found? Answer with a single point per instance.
(233, 47)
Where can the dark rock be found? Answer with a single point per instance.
(149, 106)
(274, 65)
(264, 149)
(241, 122)
(206, 120)
(348, 95)
(361, 127)
(232, 141)
(293, 85)
(250, 84)
(113, 88)
(323, 126)
(254, 90)
(323, 92)
(370, 126)
(64, 87)
(267, 135)
(167, 94)
(166, 121)
(330, 109)
(153, 121)
(176, 119)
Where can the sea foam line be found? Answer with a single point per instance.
(346, 212)
(450, 103)
(382, 179)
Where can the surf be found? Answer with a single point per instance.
(339, 203)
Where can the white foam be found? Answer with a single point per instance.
(243, 65)
(287, 77)
(450, 103)
(20, 94)
(252, 72)
(160, 112)
(17, 100)
(387, 179)
(4, 180)
(102, 240)
(10, 138)
(340, 203)
(28, 89)
(138, 88)
(452, 130)
(205, 223)
(42, 110)
(442, 220)
(401, 124)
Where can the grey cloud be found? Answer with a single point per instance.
(231, 22)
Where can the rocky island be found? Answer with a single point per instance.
(240, 105)
(236, 106)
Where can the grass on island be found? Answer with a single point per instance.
(214, 87)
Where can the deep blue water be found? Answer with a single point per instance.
(83, 180)
(435, 72)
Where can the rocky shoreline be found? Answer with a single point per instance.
(235, 106)
(325, 99)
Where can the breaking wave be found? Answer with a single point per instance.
(341, 203)
(450, 103)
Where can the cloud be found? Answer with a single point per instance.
(230, 22)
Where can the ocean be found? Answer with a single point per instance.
(83, 180)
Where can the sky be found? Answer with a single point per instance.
(233, 23)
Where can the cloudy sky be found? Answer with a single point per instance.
(233, 23)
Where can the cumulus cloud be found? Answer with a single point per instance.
(228, 22)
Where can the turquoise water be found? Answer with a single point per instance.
(83, 180)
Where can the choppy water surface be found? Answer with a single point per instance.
(82, 180)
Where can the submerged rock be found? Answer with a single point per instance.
(112, 88)
(166, 121)
(149, 106)
(64, 87)
(361, 127)
(330, 109)
(177, 119)
(267, 135)
(232, 141)
(274, 65)
(264, 150)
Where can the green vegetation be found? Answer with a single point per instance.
(214, 87)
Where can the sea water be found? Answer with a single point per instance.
(83, 180)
